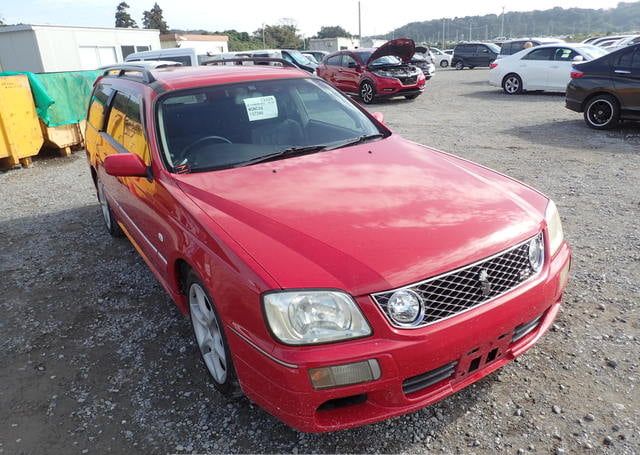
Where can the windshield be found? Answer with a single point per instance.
(386, 60)
(593, 52)
(299, 58)
(494, 48)
(232, 125)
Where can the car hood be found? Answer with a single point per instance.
(366, 218)
(403, 48)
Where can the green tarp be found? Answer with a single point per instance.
(60, 98)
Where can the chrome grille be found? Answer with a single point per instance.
(458, 291)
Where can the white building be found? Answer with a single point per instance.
(203, 44)
(333, 44)
(47, 48)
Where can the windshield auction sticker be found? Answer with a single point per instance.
(261, 108)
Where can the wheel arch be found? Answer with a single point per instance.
(598, 93)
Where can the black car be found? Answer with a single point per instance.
(472, 55)
(607, 89)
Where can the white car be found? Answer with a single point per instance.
(441, 59)
(547, 67)
(624, 42)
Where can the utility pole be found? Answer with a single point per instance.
(502, 24)
(359, 23)
(486, 32)
(264, 41)
(443, 22)
(470, 30)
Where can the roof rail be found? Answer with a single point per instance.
(122, 71)
(255, 60)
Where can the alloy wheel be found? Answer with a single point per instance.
(512, 85)
(366, 92)
(600, 112)
(207, 333)
(444, 64)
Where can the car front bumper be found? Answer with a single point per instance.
(476, 343)
(391, 87)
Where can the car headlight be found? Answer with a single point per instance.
(309, 317)
(554, 228)
(385, 73)
(536, 253)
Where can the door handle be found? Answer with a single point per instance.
(622, 72)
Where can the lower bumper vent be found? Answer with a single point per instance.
(525, 328)
(424, 380)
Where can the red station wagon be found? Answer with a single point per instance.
(373, 74)
(335, 273)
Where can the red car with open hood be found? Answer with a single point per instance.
(334, 273)
(371, 74)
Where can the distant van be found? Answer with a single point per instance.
(292, 56)
(185, 55)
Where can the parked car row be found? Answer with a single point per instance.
(603, 85)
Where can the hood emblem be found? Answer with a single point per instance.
(483, 280)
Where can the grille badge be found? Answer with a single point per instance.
(483, 280)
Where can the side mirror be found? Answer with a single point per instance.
(578, 59)
(125, 165)
(379, 116)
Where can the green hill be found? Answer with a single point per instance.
(572, 22)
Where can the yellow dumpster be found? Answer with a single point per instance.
(20, 134)
(64, 138)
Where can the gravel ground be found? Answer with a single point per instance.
(94, 357)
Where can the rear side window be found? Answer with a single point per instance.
(348, 61)
(564, 54)
(540, 54)
(333, 60)
(506, 49)
(98, 106)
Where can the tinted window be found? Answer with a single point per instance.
(134, 137)
(540, 54)
(125, 125)
(564, 54)
(333, 61)
(98, 106)
(115, 123)
(230, 125)
(348, 61)
(626, 59)
(506, 49)
(184, 59)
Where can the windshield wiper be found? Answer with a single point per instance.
(286, 153)
(356, 141)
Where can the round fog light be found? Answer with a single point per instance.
(536, 253)
(405, 307)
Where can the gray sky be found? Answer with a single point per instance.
(378, 16)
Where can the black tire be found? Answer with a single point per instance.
(512, 84)
(459, 65)
(602, 112)
(367, 92)
(110, 222)
(411, 97)
(444, 63)
(229, 387)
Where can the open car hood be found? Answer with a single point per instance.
(403, 48)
